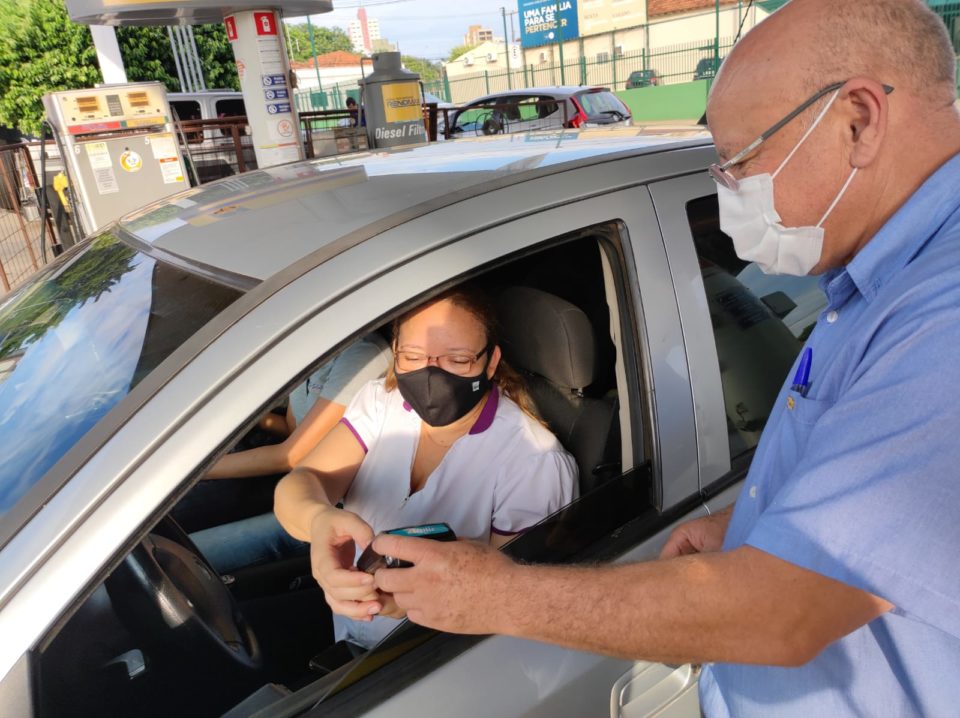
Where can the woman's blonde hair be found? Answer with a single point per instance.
(477, 302)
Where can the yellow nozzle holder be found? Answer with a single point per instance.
(60, 184)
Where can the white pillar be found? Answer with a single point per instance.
(257, 40)
(108, 54)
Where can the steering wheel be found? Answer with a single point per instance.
(164, 586)
(492, 124)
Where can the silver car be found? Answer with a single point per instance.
(142, 355)
(540, 108)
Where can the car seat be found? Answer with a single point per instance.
(551, 343)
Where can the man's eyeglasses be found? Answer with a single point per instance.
(721, 173)
(460, 364)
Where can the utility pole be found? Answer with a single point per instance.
(313, 51)
(506, 47)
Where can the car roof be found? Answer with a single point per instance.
(248, 227)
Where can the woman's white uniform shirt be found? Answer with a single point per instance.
(506, 474)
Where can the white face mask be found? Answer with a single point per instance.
(748, 216)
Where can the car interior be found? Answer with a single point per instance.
(164, 617)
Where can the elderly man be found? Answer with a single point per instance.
(832, 587)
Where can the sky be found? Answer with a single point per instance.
(424, 28)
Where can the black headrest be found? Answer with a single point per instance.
(546, 335)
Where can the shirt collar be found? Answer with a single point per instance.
(903, 237)
(487, 414)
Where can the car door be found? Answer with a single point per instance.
(507, 676)
(273, 336)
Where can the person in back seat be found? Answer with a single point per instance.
(445, 437)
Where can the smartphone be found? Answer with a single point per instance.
(370, 560)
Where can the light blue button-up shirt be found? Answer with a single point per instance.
(860, 479)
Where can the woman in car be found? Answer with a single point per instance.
(447, 436)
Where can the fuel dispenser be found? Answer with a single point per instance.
(392, 103)
(118, 147)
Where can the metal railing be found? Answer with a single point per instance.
(331, 132)
(21, 253)
(216, 148)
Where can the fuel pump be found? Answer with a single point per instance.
(118, 147)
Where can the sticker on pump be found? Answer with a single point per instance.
(230, 22)
(131, 161)
(274, 80)
(265, 22)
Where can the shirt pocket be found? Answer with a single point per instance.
(805, 411)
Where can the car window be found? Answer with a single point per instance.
(472, 117)
(601, 103)
(77, 340)
(759, 324)
(186, 109)
(230, 108)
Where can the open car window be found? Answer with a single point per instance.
(759, 321)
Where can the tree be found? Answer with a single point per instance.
(326, 39)
(42, 50)
(428, 71)
(459, 50)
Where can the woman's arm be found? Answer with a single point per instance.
(304, 503)
(280, 458)
(318, 482)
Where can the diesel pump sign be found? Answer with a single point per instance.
(392, 103)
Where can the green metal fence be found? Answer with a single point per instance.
(661, 66)
(332, 97)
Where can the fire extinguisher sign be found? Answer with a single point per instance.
(266, 23)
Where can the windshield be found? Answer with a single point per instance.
(77, 339)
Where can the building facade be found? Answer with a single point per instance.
(364, 32)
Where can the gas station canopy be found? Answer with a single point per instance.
(185, 12)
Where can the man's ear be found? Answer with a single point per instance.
(866, 107)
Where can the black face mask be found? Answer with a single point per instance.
(439, 397)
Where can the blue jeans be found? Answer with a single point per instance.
(248, 542)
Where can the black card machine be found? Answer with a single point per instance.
(370, 560)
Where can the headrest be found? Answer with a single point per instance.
(546, 335)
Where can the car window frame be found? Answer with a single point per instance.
(533, 230)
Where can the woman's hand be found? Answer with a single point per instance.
(390, 609)
(335, 535)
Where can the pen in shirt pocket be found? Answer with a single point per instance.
(801, 380)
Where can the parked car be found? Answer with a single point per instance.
(135, 360)
(706, 68)
(540, 108)
(642, 78)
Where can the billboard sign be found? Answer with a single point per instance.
(544, 22)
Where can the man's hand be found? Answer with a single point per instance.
(334, 536)
(451, 586)
(703, 535)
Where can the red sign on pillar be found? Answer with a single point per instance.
(266, 23)
(231, 24)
